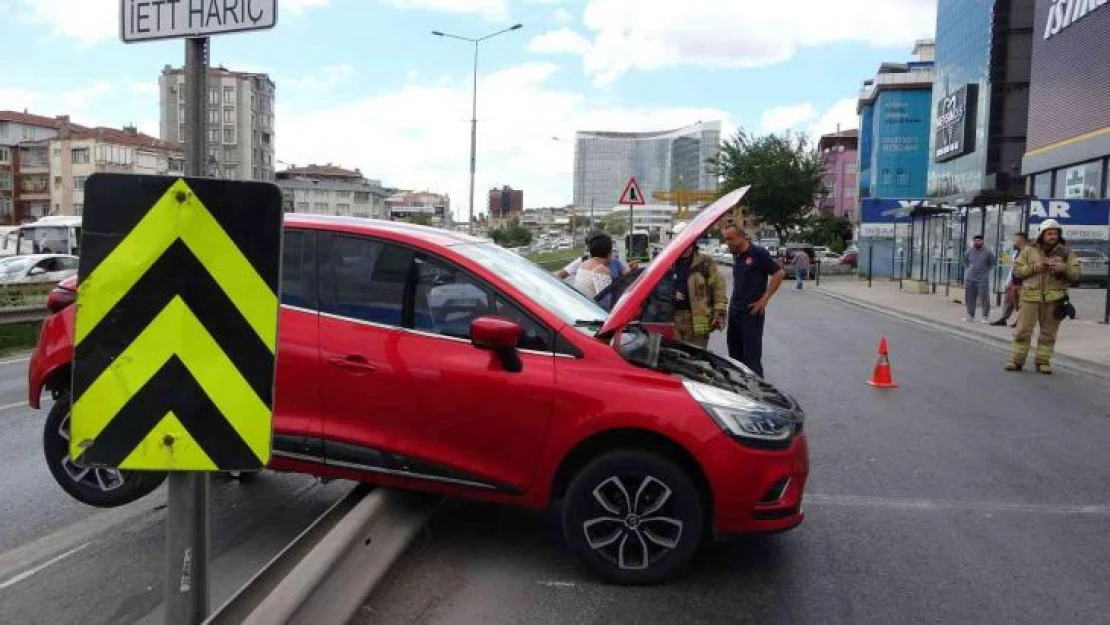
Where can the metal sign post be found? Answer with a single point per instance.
(187, 518)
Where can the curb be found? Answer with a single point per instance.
(1076, 365)
(325, 575)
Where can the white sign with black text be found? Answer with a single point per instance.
(148, 20)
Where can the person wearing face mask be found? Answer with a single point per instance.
(980, 262)
(1046, 269)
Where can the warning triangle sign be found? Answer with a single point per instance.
(632, 193)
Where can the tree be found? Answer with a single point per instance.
(616, 223)
(512, 235)
(829, 230)
(784, 171)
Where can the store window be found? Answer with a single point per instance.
(1042, 185)
(1081, 182)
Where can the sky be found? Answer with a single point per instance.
(364, 83)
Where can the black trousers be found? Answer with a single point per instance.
(745, 339)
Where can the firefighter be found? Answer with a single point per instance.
(701, 305)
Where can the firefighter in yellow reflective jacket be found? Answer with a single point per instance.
(1046, 269)
(701, 305)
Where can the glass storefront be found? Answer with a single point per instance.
(1080, 182)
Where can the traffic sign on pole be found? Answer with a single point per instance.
(174, 344)
(632, 195)
(150, 20)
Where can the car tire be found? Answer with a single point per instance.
(605, 525)
(102, 488)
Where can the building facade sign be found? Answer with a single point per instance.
(1064, 13)
(955, 126)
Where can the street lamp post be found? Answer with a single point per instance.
(474, 107)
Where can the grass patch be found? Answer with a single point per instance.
(19, 337)
(557, 259)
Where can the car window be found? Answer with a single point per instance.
(447, 300)
(535, 336)
(47, 264)
(68, 263)
(298, 269)
(365, 280)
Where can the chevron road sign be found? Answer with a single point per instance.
(177, 311)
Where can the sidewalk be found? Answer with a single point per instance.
(1083, 343)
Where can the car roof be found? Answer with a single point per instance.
(380, 227)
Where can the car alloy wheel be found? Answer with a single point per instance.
(634, 517)
(100, 487)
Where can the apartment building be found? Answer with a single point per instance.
(16, 128)
(405, 204)
(239, 121)
(331, 190)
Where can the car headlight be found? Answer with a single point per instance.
(742, 417)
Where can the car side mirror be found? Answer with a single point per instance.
(499, 336)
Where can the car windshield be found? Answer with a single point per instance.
(539, 285)
(15, 267)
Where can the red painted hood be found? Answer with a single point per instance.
(627, 309)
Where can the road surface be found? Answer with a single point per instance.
(63, 562)
(966, 495)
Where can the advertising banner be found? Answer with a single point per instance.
(955, 124)
(1082, 220)
(900, 143)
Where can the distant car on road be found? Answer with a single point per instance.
(45, 268)
(1092, 267)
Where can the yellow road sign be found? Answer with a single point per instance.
(176, 327)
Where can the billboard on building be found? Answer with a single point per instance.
(900, 143)
(1069, 92)
(866, 128)
(955, 123)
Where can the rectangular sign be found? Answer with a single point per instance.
(955, 134)
(149, 20)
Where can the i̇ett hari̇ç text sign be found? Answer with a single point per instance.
(146, 20)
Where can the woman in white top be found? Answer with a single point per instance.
(594, 275)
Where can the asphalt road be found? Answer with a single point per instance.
(64, 562)
(966, 495)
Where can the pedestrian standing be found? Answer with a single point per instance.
(1046, 269)
(1013, 283)
(699, 295)
(617, 267)
(756, 276)
(980, 262)
(595, 273)
(801, 267)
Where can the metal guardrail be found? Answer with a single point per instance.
(23, 301)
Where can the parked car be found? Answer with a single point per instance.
(46, 268)
(1092, 267)
(418, 358)
(850, 257)
(828, 258)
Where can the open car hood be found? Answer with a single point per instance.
(627, 309)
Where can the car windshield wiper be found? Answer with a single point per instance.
(589, 323)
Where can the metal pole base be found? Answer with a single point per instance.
(187, 530)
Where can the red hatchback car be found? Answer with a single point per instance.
(419, 358)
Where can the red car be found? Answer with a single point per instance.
(424, 359)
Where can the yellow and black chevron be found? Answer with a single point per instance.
(176, 327)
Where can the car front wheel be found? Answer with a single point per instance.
(100, 487)
(634, 517)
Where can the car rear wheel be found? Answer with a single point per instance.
(103, 488)
(634, 517)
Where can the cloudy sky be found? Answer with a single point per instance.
(363, 83)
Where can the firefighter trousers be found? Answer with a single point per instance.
(1030, 315)
(684, 329)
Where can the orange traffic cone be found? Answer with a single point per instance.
(882, 376)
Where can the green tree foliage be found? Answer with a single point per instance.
(829, 230)
(512, 235)
(616, 223)
(784, 171)
(420, 219)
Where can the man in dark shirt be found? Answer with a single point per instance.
(752, 268)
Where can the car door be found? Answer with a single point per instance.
(298, 427)
(405, 394)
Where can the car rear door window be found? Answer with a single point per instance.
(365, 279)
(298, 269)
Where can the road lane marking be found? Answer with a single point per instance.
(556, 584)
(932, 505)
(18, 404)
(29, 572)
(15, 361)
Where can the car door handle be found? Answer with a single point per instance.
(353, 362)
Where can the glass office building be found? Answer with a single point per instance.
(660, 161)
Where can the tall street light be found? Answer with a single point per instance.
(474, 106)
